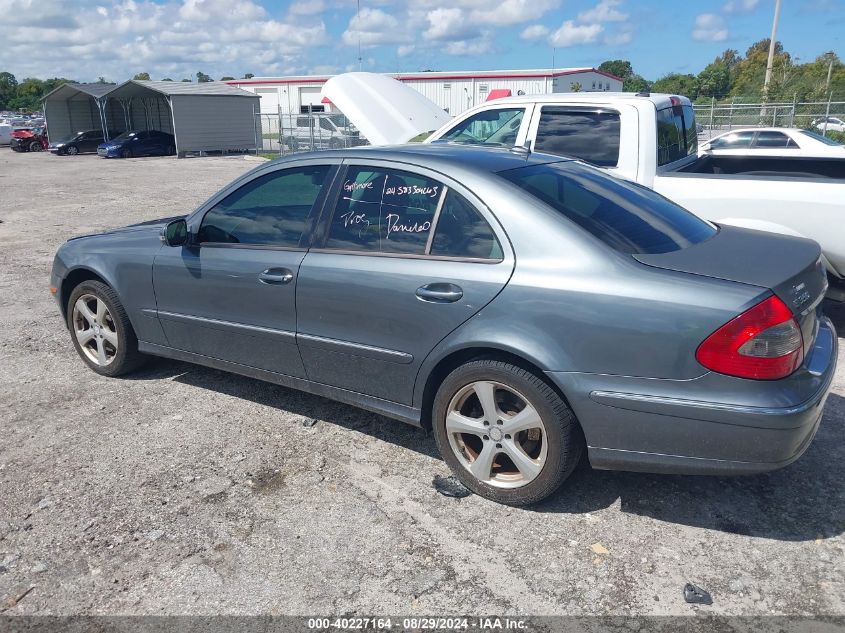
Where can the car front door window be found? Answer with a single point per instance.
(271, 210)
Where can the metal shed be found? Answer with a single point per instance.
(212, 116)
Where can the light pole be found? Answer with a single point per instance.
(771, 59)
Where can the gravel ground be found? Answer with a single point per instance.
(184, 490)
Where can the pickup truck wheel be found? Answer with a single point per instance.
(72, 150)
(101, 331)
(505, 433)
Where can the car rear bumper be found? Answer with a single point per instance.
(710, 425)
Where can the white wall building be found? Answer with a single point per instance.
(452, 91)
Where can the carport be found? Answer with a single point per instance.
(72, 108)
(212, 116)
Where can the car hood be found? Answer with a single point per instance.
(788, 266)
(149, 225)
(386, 111)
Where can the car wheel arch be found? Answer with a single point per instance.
(454, 359)
(75, 277)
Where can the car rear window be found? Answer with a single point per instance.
(627, 217)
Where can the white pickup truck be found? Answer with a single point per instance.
(649, 139)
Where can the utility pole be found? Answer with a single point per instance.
(360, 59)
(829, 70)
(772, 41)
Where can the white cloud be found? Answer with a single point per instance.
(478, 46)
(447, 24)
(312, 7)
(509, 12)
(571, 34)
(534, 32)
(372, 27)
(619, 37)
(740, 6)
(604, 11)
(709, 27)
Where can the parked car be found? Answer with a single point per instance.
(831, 124)
(79, 143)
(138, 143)
(649, 139)
(319, 131)
(523, 306)
(772, 141)
(29, 140)
(5, 134)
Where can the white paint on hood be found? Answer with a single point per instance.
(386, 111)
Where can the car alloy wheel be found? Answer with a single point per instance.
(72, 150)
(35, 146)
(496, 434)
(95, 330)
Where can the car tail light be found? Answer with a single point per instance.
(763, 343)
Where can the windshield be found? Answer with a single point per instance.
(124, 136)
(488, 127)
(626, 216)
(820, 138)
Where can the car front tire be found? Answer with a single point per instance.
(505, 433)
(126, 153)
(71, 150)
(101, 331)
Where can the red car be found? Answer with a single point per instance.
(29, 140)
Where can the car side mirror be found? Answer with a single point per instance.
(175, 233)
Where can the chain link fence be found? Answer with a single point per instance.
(292, 133)
(718, 117)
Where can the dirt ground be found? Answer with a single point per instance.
(184, 490)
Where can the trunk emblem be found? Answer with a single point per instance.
(800, 295)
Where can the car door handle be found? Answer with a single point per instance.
(439, 293)
(276, 276)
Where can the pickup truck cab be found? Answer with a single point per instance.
(651, 139)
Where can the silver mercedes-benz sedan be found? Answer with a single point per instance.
(524, 307)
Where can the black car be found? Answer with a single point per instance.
(138, 143)
(79, 143)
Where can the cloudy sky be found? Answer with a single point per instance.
(85, 39)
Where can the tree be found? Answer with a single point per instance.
(619, 67)
(227, 78)
(167, 79)
(186, 81)
(714, 80)
(676, 83)
(249, 76)
(102, 80)
(635, 83)
(8, 89)
(142, 77)
(576, 86)
(203, 78)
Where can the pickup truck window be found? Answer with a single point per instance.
(496, 127)
(677, 137)
(625, 216)
(592, 136)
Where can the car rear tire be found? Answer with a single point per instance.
(101, 331)
(505, 433)
(171, 150)
(126, 153)
(72, 150)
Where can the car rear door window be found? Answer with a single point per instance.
(462, 232)
(627, 217)
(271, 210)
(384, 211)
(498, 126)
(774, 139)
(590, 135)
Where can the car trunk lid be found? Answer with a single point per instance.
(788, 266)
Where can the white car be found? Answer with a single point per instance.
(772, 141)
(5, 133)
(831, 124)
